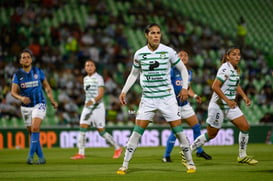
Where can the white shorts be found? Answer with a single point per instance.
(167, 106)
(93, 117)
(186, 111)
(216, 115)
(38, 111)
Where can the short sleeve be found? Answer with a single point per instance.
(222, 73)
(100, 81)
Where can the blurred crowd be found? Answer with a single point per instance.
(61, 51)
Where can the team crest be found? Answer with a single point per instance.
(163, 55)
(178, 82)
(35, 76)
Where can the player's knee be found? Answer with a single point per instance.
(35, 129)
(245, 128)
(212, 135)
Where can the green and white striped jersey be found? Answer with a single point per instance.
(230, 79)
(91, 85)
(155, 70)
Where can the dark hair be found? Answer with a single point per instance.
(27, 51)
(227, 52)
(147, 28)
(90, 60)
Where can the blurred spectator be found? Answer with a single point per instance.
(9, 110)
(36, 48)
(250, 89)
(70, 114)
(267, 118)
(268, 92)
(110, 84)
(241, 32)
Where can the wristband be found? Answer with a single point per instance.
(93, 100)
(195, 95)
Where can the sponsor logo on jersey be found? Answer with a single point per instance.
(29, 84)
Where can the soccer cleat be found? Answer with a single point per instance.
(183, 159)
(117, 153)
(77, 157)
(166, 159)
(190, 167)
(247, 159)
(122, 170)
(30, 160)
(41, 161)
(204, 155)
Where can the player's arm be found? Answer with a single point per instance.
(129, 82)
(183, 94)
(244, 96)
(15, 92)
(49, 94)
(191, 93)
(216, 87)
(96, 99)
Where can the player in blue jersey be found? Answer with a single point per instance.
(27, 86)
(187, 112)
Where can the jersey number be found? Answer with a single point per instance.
(217, 116)
(153, 65)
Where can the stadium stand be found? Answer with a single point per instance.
(116, 28)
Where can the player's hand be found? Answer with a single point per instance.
(54, 104)
(232, 104)
(25, 100)
(247, 101)
(89, 103)
(183, 95)
(122, 98)
(198, 99)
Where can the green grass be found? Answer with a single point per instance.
(145, 166)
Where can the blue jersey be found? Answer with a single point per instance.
(177, 83)
(30, 84)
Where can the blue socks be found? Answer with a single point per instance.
(35, 146)
(170, 144)
(197, 132)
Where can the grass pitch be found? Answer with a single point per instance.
(145, 165)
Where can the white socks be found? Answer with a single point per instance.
(185, 147)
(199, 141)
(110, 140)
(131, 147)
(243, 140)
(81, 143)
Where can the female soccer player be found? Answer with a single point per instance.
(152, 62)
(93, 113)
(27, 86)
(222, 105)
(186, 110)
